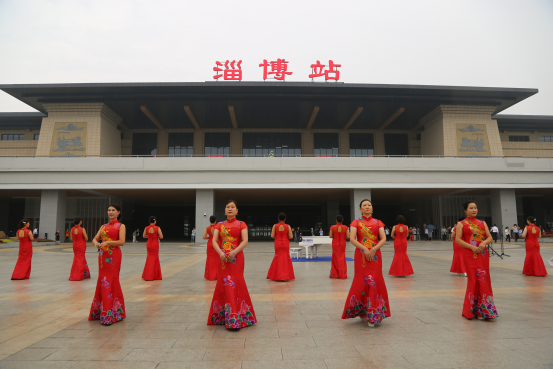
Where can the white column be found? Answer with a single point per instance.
(52, 213)
(356, 195)
(504, 208)
(205, 207)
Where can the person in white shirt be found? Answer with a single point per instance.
(387, 231)
(35, 232)
(494, 231)
(415, 234)
(507, 234)
(193, 234)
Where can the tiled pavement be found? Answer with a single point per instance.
(43, 321)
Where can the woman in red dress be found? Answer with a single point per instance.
(457, 264)
(401, 265)
(22, 268)
(533, 264)
(79, 270)
(339, 234)
(473, 235)
(152, 269)
(108, 305)
(231, 304)
(212, 261)
(281, 268)
(368, 296)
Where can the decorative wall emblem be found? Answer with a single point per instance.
(472, 140)
(68, 139)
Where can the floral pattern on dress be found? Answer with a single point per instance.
(377, 315)
(356, 308)
(477, 236)
(242, 318)
(484, 308)
(86, 273)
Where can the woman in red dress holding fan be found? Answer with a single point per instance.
(473, 235)
(457, 264)
(339, 234)
(79, 270)
(401, 265)
(281, 268)
(368, 297)
(152, 269)
(533, 263)
(231, 304)
(212, 261)
(22, 268)
(108, 305)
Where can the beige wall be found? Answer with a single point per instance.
(532, 148)
(16, 148)
(103, 137)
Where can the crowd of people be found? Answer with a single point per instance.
(231, 304)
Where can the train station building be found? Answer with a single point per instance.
(312, 150)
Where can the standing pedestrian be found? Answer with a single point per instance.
(281, 267)
(22, 268)
(426, 233)
(533, 263)
(134, 236)
(298, 235)
(444, 234)
(515, 231)
(193, 234)
(401, 265)
(340, 235)
(507, 234)
(152, 269)
(212, 261)
(79, 269)
(495, 232)
(58, 235)
(321, 232)
(387, 233)
(35, 232)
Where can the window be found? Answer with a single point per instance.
(37, 136)
(519, 138)
(181, 144)
(217, 144)
(326, 144)
(11, 137)
(396, 144)
(280, 143)
(361, 144)
(144, 144)
(418, 136)
(546, 138)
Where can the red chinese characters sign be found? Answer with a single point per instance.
(277, 69)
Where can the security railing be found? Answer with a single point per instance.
(275, 156)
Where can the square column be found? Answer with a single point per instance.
(205, 207)
(504, 208)
(356, 195)
(52, 214)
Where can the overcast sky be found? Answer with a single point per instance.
(457, 43)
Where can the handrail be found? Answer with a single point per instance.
(275, 156)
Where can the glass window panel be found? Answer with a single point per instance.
(37, 135)
(361, 144)
(144, 144)
(280, 143)
(217, 144)
(181, 144)
(326, 144)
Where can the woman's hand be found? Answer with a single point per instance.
(223, 256)
(482, 247)
(103, 244)
(476, 249)
(231, 256)
(369, 254)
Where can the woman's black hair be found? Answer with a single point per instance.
(282, 217)
(116, 207)
(229, 201)
(77, 220)
(22, 223)
(362, 201)
(339, 218)
(212, 219)
(461, 219)
(152, 219)
(531, 219)
(467, 203)
(400, 219)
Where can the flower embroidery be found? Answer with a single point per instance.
(484, 308)
(369, 281)
(480, 274)
(86, 274)
(105, 283)
(355, 308)
(242, 318)
(228, 282)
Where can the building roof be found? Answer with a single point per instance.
(23, 120)
(268, 104)
(514, 123)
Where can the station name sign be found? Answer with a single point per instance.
(278, 70)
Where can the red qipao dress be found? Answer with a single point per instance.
(231, 304)
(79, 270)
(152, 269)
(367, 296)
(479, 295)
(281, 268)
(339, 267)
(23, 266)
(533, 264)
(401, 265)
(212, 262)
(457, 264)
(108, 305)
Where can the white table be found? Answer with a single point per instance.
(312, 244)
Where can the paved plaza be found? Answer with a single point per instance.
(43, 321)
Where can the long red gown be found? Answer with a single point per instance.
(457, 264)
(231, 304)
(108, 305)
(339, 267)
(79, 270)
(281, 268)
(479, 296)
(213, 260)
(368, 296)
(533, 263)
(152, 269)
(22, 268)
(401, 265)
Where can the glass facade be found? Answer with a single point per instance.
(217, 144)
(519, 138)
(12, 137)
(37, 135)
(181, 144)
(361, 144)
(280, 143)
(326, 144)
(144, 144)
(396, 143)
(546, 138)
